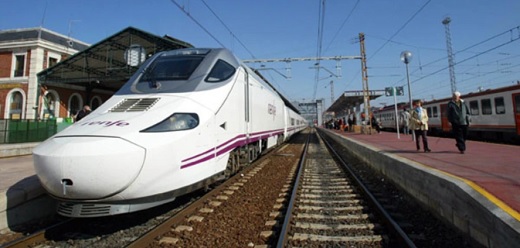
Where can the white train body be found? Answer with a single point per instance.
(386, 116)
(180, 123)
(495, 114)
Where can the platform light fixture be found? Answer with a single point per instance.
(406, 57)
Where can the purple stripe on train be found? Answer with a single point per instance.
(239, 140)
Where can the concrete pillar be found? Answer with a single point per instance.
(36, 66)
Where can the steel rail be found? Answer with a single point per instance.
(395, 229)
(282, 239)
(39, 236)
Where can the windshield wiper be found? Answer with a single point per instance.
(149, 76)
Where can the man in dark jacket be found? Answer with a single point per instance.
(82, 113)
(459, 117)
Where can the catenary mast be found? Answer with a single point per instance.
(446, 23)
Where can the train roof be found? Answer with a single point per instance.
(285, 100)
(400, 105)
(468, 95)
(479, 93)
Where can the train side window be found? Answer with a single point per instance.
(500, 108)
(486, 106)
(473, 107)
(220, 72)
(435, 113)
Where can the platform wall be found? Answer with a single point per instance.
(447, 197)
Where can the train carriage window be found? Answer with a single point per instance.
(220, 72)
(292, 121)
(435, 112)
(486, 106)
(473, 108)
(500, 108)
(429, 111)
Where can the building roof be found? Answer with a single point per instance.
(109, 63)
(351, 99)
(33, 34)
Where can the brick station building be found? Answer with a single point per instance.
(23, 54)
(44, 74)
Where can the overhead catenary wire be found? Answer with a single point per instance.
(512, 39)
(197, 22)
(466, 59)
(401, 28)
(228, 29)
(321, 34)
(395, 34)
(321, 24)
(343, 24)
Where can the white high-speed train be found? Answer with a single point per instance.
(186, 119)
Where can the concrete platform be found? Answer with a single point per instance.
(478, 192)
(22, 198)
(10, 150)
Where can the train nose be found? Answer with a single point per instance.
(87, 167)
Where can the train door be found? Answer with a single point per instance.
(445, 124)
(516, 108)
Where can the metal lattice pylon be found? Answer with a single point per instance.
(451, 64)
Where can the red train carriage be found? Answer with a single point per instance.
(495, 114)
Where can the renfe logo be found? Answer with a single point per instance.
(107, 123)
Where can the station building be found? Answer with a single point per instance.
(47, 75)
(23, 54)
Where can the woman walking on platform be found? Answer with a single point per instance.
(419, 121)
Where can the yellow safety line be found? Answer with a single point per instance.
(515, 214)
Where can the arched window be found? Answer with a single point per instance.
(16, 105)
(75, 104)
(95, 102)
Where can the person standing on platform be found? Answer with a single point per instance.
(459, 117)
(405, 121)
(350, 124)
(375, 124)
(82, 113)
(419, 120)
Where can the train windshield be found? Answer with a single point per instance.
(183, 70)
(168, 68)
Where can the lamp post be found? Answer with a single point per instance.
(406, 57)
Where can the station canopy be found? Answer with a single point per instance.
(352, 99)
(109, 63)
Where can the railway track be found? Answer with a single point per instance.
(328, 208)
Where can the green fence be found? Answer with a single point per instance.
(22, 131)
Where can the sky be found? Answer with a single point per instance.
(485, 38)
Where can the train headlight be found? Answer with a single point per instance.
(176, 122)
